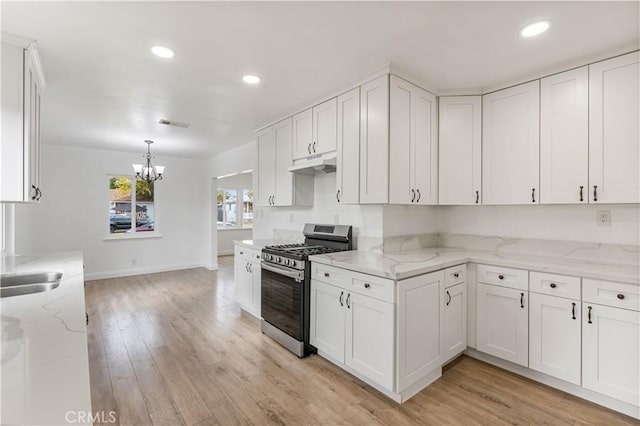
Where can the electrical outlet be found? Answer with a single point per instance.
(604, 218)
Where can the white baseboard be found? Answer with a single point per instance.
(226, 253)
(139, 271)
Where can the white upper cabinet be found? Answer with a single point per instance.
(348, 147)
(460, 150)
(266, 166)
(413, 156)
(276, 185)
(510, 145)
(324, 127)
(564, 137)
(614, 133)
(20, 122)
(374, 141)
(302, 134)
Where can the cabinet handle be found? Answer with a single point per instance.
(341, 295)
(413, 198)
(477, 197)
(418, 191)
(595, 192)
(309, 148)
(326, 275)
(338, 195)
(314, 146)
(86, 314)
(522, 300)
(533, 195)
(348, 297)
(501, 277)
(246, 267)
(35, 192)
(251, 268)
(581, 198)
(589, 315)
(449, 295)
(367, 285)
(38, 194)
(573, 310)
(552, 285)
(621, 296)
(456, 275)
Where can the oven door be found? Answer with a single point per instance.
(282, 299)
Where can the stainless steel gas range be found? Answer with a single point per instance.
(286, 284)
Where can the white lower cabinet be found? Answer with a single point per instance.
(454, 299)
(503, 323)
(354, 330)
(419, 318)
(611, 352)
(369, 338)
(554, 336)
(247, 279)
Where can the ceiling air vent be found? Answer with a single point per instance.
(174, 123)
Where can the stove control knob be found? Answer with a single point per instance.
(287, 262)
(293, 263)
(279, 259)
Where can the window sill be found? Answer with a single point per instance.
(245, 228)
(131, 236)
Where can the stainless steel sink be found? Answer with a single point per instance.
(35, 282)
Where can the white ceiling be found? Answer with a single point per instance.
(106, 90)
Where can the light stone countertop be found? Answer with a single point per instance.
(45, 362)
(259, 244)
(406, 264)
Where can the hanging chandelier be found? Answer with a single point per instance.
(148, 172)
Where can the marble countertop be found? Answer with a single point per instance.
(406, 264)
(45, 362)
(259, 244)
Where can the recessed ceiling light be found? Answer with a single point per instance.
(163, 52)
(535, 29)
(251, 79)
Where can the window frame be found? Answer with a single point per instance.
(133, 235)
(239, 209)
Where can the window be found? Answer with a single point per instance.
(235, 208)
(126, 203)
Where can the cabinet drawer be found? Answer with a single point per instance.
(355, 282)
(505, 277)
(250, 255)
(555, 285)
(455, 275)
(619, 295)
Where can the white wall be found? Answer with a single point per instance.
(73, 213)
(558, 222)
(226, 238)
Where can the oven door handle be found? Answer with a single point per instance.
(297, 275)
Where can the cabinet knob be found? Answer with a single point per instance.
(456, 275)
(581, 197)
(477, 197)
(552, 285)
(241, 252)
(326, 274)
(367, 285)
(501, 277)
(533, 195)
(621, 296)
(595, 192)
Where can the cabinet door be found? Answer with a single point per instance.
(256, 287)
(419, 318)
(348, 146)
(425, 147)
(244, 283)
(564, 137)
(611, 352)
(282, 133)
(510, 145)
(369, 339)
(266, 183)
(614, 133)
(554, 336)
(32, 190)
(302, 134)
(460, 150)
(327, 325)
(401, 135)
(324, 127)
(374, 141)
(455, 321)
(503, 328)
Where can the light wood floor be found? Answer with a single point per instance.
(174, 348)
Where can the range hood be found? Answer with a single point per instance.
(323, 163)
